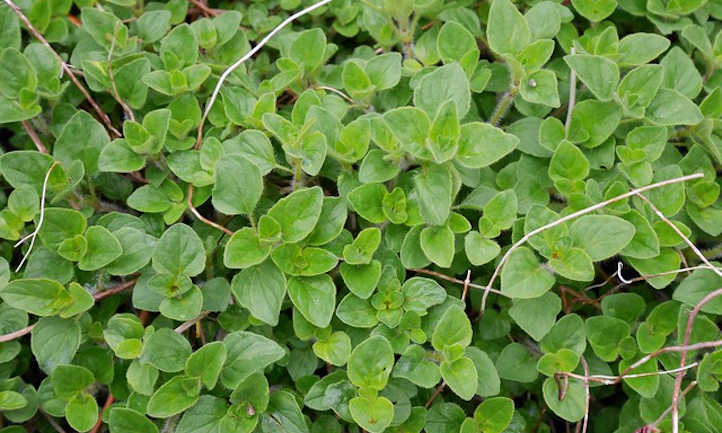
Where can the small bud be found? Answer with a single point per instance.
(532, 83)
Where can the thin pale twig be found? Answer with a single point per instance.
(189, 324)
(572, 96)
(97, 297)
(68, 70)
(467, 281)
(683, 356)
(114, 89)
(613, 380)
(576, 214)
(34, 137)
(247, 56)
(457, 281)
(35, 232)
(686, 240)
(586, 395)
(198, 215)
(653, 426)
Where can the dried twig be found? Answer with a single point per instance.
(247, 56)
(338, 92)
(683, 356)
(686, 240)
(205, 9)
(467, 281)
(653, 427)
(114, 89)
(97, 297)
(99, 423)
(586, 394)
(613, 380)
(572, 96)
(34, 137)
(198, 215)
(35, 232)
(457, 281)
(434, 395)
(188, 324)
(576, 214)
(68, 70)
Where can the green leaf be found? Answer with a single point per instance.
(175, 396)
(696, 287)
(206, 363)
(523, 277)
(247, 354)
(11, 400)
(245, 249)
(482, 144)
(298, 213)
(446, 83)
(82, 138)
(335, 349)
(461, 377)
(434, 189)
(494, 415)
(384, 71)
(540, 87)
(671, 107)
(81, 412)
(604, 334)
(315, 298)
(372, 414)
(361, 250)
(264, 304)
(438, 245)
(598, 73)
(601, 236)
(480, 250)
(179, 252)
(361, 280)
(640, 48)
(308, 49)
(367, 201)
(54, 341)
(515, 363)
(595, 10)
(124, 420)
(39, 296)
(238, 186)
(103, 249)
(453, 329)
(283, 414)
(166, 350)
(567, 333)
(507, 31)
(568, 163)
(370, 363)
(536, 316)
(69, 380)
(572, 406)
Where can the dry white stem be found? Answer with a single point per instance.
(338, 92)
(572, 95)
(247, 56)
(188, 324)
(613, 380)
(694, 248)
(653, 426)
(586, 395)
(35, 232)
(576, 214)
(620, 276)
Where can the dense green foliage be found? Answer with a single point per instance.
(300, 267)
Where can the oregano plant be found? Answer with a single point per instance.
(360, 216)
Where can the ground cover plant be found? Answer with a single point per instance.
(345, 216)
